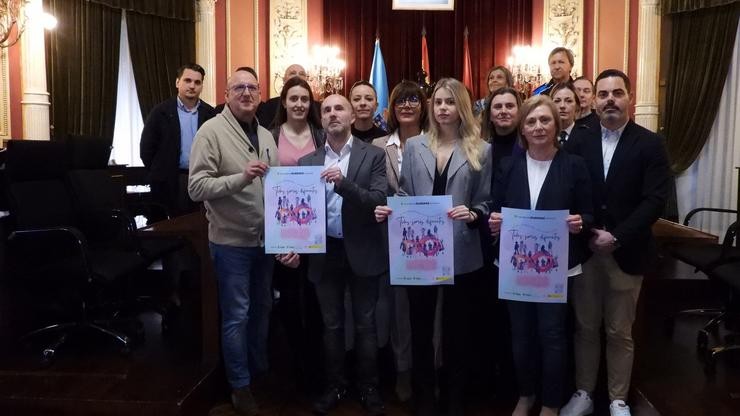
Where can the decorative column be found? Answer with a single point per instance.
(4, 96)
(35, 101)
(648, 56)
(205, 47)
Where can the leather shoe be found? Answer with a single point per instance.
(372, 402)
(328, 400)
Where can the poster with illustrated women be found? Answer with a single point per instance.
(295, 210)
(420, 240)
(533, 256)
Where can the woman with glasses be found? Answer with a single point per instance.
(450, 159)
(543, 178)
(297, 132)
(498, 77)
(364, 102)
(407, 118)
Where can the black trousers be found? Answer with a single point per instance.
(458, 306)
(337, 277)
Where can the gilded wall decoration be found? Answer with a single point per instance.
(288, 39)
(563, 26)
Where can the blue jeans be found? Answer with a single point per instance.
(245, 299)
(538, 339)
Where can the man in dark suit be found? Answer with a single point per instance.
(355, 255)
(631, 180)
(168, 136)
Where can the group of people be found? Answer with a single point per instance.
(572, 147)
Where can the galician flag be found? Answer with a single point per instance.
(379, 80)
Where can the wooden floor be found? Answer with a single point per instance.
(162, 376)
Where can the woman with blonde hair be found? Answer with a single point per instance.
(451, 159)
(498, 77)
(544, 178)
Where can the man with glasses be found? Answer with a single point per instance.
(230, 156)
(168, 136)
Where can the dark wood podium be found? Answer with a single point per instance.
(194, 227)
(669, 232)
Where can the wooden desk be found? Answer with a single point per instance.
(667, 232)
(194, 227)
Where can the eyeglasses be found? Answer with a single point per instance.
(239, 89)
(411, 101)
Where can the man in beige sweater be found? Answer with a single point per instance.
(230, 156)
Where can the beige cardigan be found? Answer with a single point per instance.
(234, 206)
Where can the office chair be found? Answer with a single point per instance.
(728, 275)
(705, 258)
(97, 194)
(51, 255)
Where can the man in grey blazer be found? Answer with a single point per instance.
(355, 256)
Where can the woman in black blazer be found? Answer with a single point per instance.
(544, 178)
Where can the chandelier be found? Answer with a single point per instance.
(12, 15)
(525, 65)
(325, 70)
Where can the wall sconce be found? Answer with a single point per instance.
(526, 64)
(325, 70)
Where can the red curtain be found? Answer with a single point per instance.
(494, 28)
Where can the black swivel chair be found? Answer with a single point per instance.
(705, 258)
(55, 255)
(727, 274)
(97, 194)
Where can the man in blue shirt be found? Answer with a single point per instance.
(168, 136)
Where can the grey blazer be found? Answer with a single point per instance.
(467, 187)
(391, 165)
(362, 190)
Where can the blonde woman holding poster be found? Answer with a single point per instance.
(449, 160)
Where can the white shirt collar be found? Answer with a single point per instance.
(393, 139)
(616, 133)
(345, 149)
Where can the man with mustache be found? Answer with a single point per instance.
(631, 180)
(168, 136)
(231, 154)
(355, 259)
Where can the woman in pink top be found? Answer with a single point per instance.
(298, 132)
